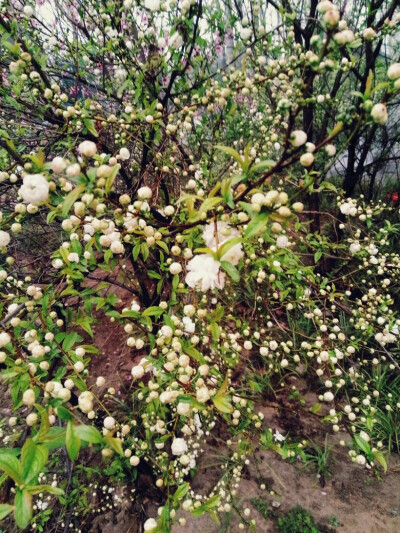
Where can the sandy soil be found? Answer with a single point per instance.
(358, 501)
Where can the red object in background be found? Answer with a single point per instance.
(395, 196)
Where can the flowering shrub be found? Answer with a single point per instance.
(184, 176)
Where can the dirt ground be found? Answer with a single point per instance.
(352, 499)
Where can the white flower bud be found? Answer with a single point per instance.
(394, 71)
(109, 422)
(379, 114)
(87, 148)
(28, 398)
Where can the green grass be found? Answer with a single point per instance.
(298, 520)
(261, 505)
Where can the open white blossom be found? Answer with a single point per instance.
(278, 437)
(189, 324)
(348, 209)
(35, 189)
(355, 247)
(204, 273)
(214, 236)
(179, 446)
(282, 241)
(245, 33)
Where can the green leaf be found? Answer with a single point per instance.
(22, 508)
(368, 84)
(215, 331)
(5, 510)
(258, 223)
(226, 189)
(11, 465)
(355, 44)
(72, 442)
(111, 178)
(317, 256)
(135, 252)
(85, 323)
(181, 492)
(337, 129)
(114, 443)
(194, 354)
(328, 186)
(189, 201)
(378, 456)
(90, 126)
(79, 383)
(153, 274)
(247, 156)
(206, 250)
(315, 408)
(153, 311)
(214, 190)
(63, 413)
(230, 151)
(145, 250)
(224, 387)
(362, 444)
(222, 403)
(51, 215)
(231, 270)
(209, 203)
(37, 489)
(227, 245)
(163, 246)
(380, 86)
(70, 199)
(214, 515)
(33, 459)
(55, 438)
(175, 282)
(208, 506)
(69, 341)
(89, 434)
(262, 165)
